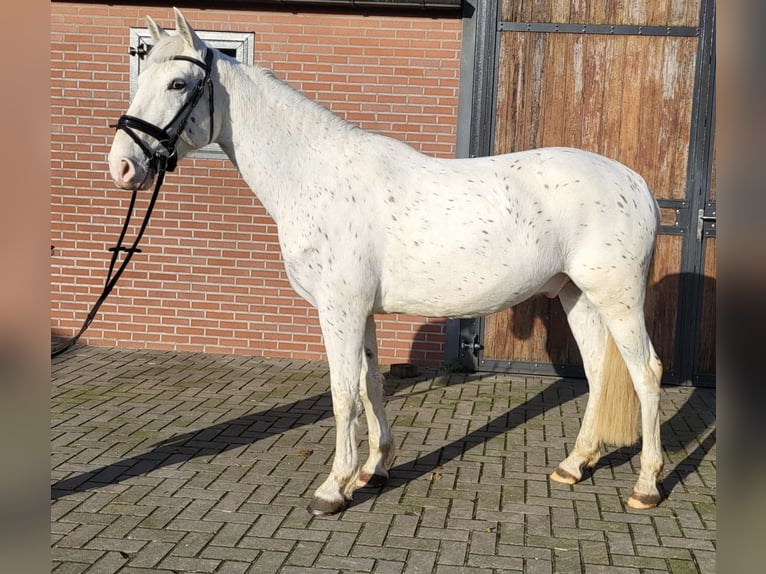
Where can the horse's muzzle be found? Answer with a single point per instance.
(128, 174)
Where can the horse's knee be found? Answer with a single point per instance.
(346, 407)
(371, 388)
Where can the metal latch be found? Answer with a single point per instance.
(142, 51)
(702, 219)
(475, 347)
(470, 347)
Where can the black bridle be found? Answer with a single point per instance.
(129, 124)
(159, 162)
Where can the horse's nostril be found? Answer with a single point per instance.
(126, 169)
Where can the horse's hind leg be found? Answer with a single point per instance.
(612, 416)
(629, 332)
(591, 336)
(375, 470)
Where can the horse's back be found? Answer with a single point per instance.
(471, 236)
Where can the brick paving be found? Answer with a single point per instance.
(169, 462)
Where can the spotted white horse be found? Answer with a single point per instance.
(369, 225)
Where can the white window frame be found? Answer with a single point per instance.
(241, 43)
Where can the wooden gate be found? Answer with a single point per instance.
(633, 81)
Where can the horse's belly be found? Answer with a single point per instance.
(458, 289)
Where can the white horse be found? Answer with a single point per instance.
(369, 225)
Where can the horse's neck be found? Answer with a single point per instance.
(276, 136)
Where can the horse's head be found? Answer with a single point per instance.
(172, 111)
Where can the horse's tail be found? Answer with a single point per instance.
(616, 417)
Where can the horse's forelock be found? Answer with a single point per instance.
(166, 49)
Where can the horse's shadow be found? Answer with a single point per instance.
(262, 425)
(682, 432)
(209, 441)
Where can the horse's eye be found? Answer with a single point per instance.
(177, 85)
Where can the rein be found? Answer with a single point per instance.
(161, 163)
(111, 280)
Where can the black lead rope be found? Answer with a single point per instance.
(163, 163)
(111, 280)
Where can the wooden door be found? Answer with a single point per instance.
(624, 80)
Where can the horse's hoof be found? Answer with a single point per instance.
(643, 501)
(562, 476)
(321, 507)
(371, 480)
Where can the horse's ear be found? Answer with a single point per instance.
(156, 31)
(186, 32)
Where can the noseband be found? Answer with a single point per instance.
(131, 124)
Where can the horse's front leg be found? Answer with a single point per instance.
(343, 333)
(375, 470)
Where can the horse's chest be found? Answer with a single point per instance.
(322, 251)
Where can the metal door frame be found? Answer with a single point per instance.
(695, 215)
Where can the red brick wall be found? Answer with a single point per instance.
(210, 277)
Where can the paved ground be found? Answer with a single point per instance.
(177, 463)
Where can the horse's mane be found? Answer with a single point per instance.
(298, 98)
(172, 45)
